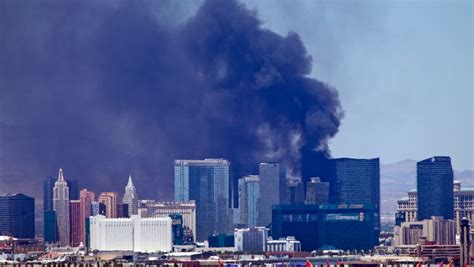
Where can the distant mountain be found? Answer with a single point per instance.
(399, 177)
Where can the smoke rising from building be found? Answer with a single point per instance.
(103, 89)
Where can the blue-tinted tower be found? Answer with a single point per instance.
(50, 227)
(434, 177)
(208, 183)
(48, 184)
(358, 182)
(17, 215)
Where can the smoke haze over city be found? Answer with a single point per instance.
(104, 89)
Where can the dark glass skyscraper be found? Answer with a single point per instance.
(208, 183)
(50, 227)
(48, 185)
(358, 182)
(73, 189)
(434, 177)
(17, 215)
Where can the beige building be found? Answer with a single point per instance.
(152, 209)
(436, 230)
(110, 200)
(463, 205)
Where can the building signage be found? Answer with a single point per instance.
(337, 217)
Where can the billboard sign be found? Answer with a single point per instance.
(344, 217)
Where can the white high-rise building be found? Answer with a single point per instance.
(130, 197)
(61, 206)
(131, 234)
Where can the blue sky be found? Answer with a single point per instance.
(404, 71)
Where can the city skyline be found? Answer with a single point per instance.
(235, 132)
(111, 124)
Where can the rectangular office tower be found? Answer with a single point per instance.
(272, 190)
(48, 184)
(249, 197)
(434, 178)
(208, 183)
(358, 182)
(17, 216)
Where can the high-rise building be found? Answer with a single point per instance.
(48, 185)
(86, 199)
(358, 182)
(73, 186)
(49, 221)
(317, 192)
(110, 200)
(131, 234)
(165, 209)
(75, 222)
(463, 205)
(50, 227)
(434, 178)
(240, 169)
(17, 215)
(61, 206)
(249, 196)
(272, 189)
(130, 197)
(295, 190)
(208, 183)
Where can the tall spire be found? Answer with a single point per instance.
(130, 182)
(61, 175)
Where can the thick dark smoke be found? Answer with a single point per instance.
(104, 89)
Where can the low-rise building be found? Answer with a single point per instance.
(288, 244)
(437, 230)
(251, 239)
(130, 234)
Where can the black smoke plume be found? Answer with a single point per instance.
(107, 88)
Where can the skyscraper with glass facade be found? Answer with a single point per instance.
(358, 182)
(208, 183)
(17, 215)
(48, 184)
(50, 227)
(73, 186)
(249, 196)
(434, 178)
(272, 189)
